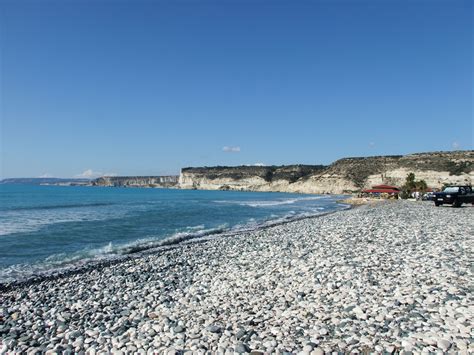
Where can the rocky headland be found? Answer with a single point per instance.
(136, 181)
(248, 178)
(391, 277)
(343, 176)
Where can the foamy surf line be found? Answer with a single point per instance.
(257, 203)
(61, 206)
(96, 264)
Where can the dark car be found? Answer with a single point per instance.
(454, 195)
(429, 196)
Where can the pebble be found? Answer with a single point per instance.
(241, 348)
(178, 329)
(370, 279)
(214, 329)
(308, 348)
(443, 344)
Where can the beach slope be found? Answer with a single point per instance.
(386, 277)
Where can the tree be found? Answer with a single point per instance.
(412, 185)
(421, 186)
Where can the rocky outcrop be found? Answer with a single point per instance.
(343, 176)
(253, 178)
(137, 181)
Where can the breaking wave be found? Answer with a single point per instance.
(63, 262)
(54, 207)
(270, 203)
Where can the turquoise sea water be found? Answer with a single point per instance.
(50, 227)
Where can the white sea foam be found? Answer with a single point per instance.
(201, 226)
(27, 221)
(266, 203)
(57, 262)
(156, 241)
(30, 221)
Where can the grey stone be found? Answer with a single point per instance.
(214, 329)
(443, 344)
(241, 348)
(178, 329)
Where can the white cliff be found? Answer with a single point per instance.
(343, 176)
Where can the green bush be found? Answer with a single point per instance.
(412, 185)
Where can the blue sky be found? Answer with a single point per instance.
(148, 87)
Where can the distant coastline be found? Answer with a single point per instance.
(46, 181)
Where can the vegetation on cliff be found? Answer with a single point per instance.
(290, 173)
(347, 174)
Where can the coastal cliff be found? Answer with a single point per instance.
(137, 181)
(343, 176)
(253, 178)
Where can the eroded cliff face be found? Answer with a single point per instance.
(252, 178)
(137, 181)
(343, 176)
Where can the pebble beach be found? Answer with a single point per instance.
(391, 277)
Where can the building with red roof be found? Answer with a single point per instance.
(386, 187)
(383, 189)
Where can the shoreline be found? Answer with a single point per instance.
(361, 201)
(188, 189)
(139, 252)
(378, 278)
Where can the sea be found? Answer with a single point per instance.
(44, 229)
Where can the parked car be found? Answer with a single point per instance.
(429, 196)
(454, 195)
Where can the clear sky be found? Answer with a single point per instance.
(147, 87)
